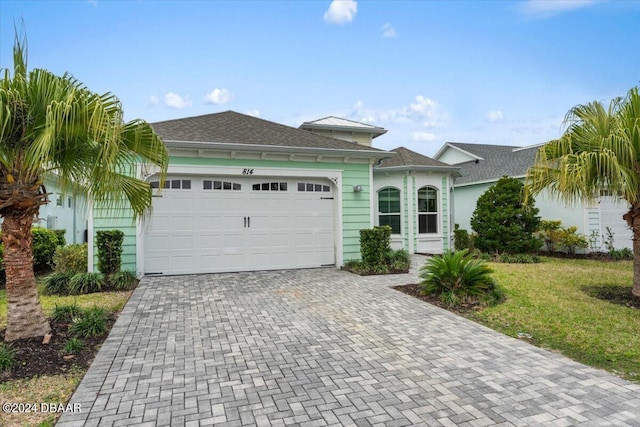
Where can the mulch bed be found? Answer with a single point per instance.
(463, 309)
(620, 295)
(32, 358)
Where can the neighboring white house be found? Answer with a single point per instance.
(482, 165)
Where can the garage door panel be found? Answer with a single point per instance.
(199, 230)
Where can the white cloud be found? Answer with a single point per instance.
(93, 2)
(388, 31)
(153, 100)
(174, 100)
(422, 136)
(341, 11)
(546, 8)
(254, 113)
(494, 116)
(219, 96)
(423, 111)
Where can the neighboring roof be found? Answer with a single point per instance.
(229, 129)
(406, 158)
(338, 123)
(495, 161)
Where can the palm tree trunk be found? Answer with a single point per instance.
(636, 251)
(25, 318)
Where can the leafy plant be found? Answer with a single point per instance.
(461, 238)
(86, 283)
(44, 246)
(123, 280)
(92, 323)
(7, 356)
(458, 273)
(57, 283)
(72, 258)
(375, 243)
(66, 313)
(549, 232)
(594, 240)
(518, 259)
(571, 240)
(608, 240)
(109, 244)
(60, 236)
(504, 221)
(621, 254)
(72, 346)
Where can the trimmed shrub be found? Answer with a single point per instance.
(123, 280)
(45, 243)
(455, 276)
(504, 221)
(71, 259)
(92, 323)
(57, 283)
(518, 259)
(375, 243)
(65, 313)
(86, 283)
(461, 238)
(549, 232)
(60, 235)
(109, 244)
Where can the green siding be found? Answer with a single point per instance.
(406, 212)
(355, 206)
(116, 219)
(445, 214)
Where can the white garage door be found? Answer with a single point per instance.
(214, 224)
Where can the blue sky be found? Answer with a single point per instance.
(498, 72)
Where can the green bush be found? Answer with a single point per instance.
(7, 356)
(109, 244)
(621, 254)
(123, 280)
(60, 235)
(549, 232)
(518, 259)
(45, 243)
(57, 283)
(86, 283)
(65, 313)
(72, 258)
(571, 240)
(504, 221)
(73, 346)
(461, 238)
(92, 323)
(375, 243)
(457, 273)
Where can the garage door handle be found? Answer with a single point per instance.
(249, 221)
(245, 222)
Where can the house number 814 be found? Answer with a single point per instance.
(247, 171)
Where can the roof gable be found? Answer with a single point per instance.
(230, 127)
(339, 123)
(406, 157)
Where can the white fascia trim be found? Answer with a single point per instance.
(486, 181)
(453, 169)
(226, 146)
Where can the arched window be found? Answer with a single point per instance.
(427, 210)
(389, 208)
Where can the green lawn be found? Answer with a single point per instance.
(549, 302)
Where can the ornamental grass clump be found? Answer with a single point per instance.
(457, 277)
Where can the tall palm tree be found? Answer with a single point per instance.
(600, 150)
(54, 126)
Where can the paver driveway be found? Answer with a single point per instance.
(325, 347)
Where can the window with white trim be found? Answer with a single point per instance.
(427, 210)
(389, 208)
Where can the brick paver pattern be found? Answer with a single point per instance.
(324, 347)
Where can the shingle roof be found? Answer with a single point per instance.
(235, 128)
(406, 157)
(339, 123)
(498, 161)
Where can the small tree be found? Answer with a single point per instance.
(549, 232)
(504, 221)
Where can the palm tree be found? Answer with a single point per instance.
(600, 150)
(54, 126)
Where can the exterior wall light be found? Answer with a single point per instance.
(357, 188)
